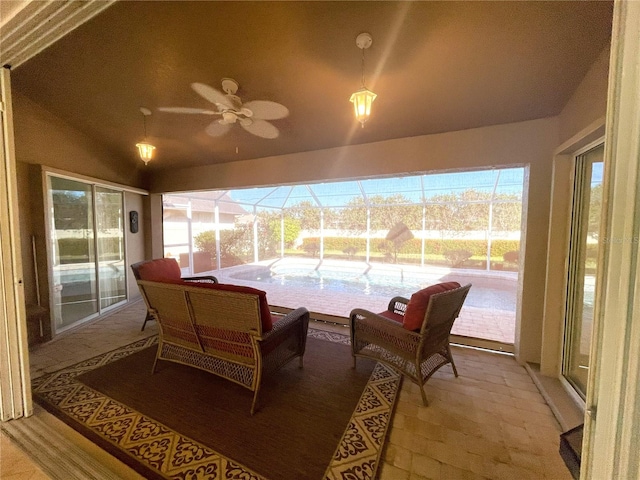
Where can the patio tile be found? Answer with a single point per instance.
(474, 425)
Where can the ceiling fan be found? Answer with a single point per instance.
(252, 116)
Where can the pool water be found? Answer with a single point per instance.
(481, 295)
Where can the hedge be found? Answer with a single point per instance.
(414, 246)
(77, 249)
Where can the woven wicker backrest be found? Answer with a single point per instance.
(442, 311)
(170, 305)
(213, 321)
(229, 310)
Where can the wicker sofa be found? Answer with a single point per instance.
(163, 269)
(223, 329)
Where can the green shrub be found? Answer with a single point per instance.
(457, 257)
(72, 250)
(500, 247)
(312, 246)
(478, 248)
(350, 252)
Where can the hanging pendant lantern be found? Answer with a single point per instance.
(145, 149)
(363, 98)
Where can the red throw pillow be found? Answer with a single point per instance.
(417, 306)
(159, 270)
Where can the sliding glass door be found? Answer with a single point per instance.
(110, 246)
(585, 226)
(86, 241)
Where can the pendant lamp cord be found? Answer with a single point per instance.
(362, 66)
(144, 122)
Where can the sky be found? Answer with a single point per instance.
(332, 194)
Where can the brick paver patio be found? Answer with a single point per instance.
(485, 323)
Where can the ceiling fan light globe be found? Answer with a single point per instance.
(229, 117)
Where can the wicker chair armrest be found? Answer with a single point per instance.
(291, 320)
(203, 279)
(365, 320)
(398, 305)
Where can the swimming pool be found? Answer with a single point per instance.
(484, 293)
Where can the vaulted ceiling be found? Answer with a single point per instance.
(436, 67)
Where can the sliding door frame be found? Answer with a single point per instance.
(94, 183)
(15, 379)
(578, 223)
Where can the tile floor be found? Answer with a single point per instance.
(489, 423)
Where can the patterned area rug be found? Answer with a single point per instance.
(158, 451)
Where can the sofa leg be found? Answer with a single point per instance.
(155, 363)
(354, 361)
(453, 365)
(425, 402)
(255, 401)
(146, 319)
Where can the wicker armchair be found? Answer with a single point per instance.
(161, 269)
(417, 354)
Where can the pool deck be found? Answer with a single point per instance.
(484, 323)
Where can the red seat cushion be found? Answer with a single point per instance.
(417, 306)
(392, 316)
(159, 270)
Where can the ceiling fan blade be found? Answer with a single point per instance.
(187, 110)
(217, 129)
(267, 110)
(261, 128)
(212, 95)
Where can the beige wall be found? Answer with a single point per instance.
(31, 217)
(134, 242)
(26, 231)
(527, 143)
(581, 122)
(42, 138)
(517, 143)
(589, 101)
(44, 141)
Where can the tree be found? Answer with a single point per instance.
(206, 242)
(385, 213)
(507, 213)
(452, 212)
(595, 211)
(291, 230)
(469, 210)
(306, 213)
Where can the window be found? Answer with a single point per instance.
(86, 247)
(332, 246)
